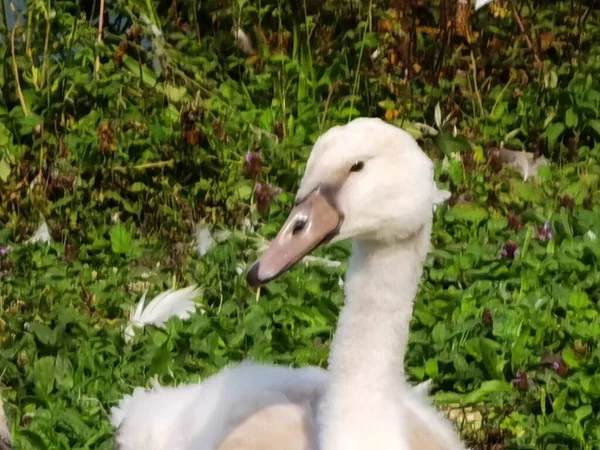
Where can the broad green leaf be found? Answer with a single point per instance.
(571, 119)
(120, 239)
(43, 376)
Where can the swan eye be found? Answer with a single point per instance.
(357, 166)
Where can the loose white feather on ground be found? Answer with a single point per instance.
(167, 304)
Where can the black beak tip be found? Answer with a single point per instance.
(252, 276)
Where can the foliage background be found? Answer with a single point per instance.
(124, 144)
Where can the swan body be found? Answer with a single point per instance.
(368, 181)
(250, 406)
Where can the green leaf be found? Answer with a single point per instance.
(498, 112)
(553, 132)
(466, 212)
(63, 374)
(120, 239)
(29, 122)
(583, 412)
(571, 119)
(559, 402)
(4, 170)
(175, 93)
(43, 333)
(579, 300)
(450, 145)
(43, 376)
(160, 361)
(431, 368)
(138, 187)
(594, 124)
(244, 192)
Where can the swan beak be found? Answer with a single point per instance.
(314, 221)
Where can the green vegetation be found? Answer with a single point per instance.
(124, 146)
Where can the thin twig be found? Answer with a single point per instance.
(530, 44)
(500, 96)
(100, 26)
(474, 66)
(329, 95)
(16, 72)
(152, 165)
(196, 24)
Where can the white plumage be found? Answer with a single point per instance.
(167, 304)
(368, 181)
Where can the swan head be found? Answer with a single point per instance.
(367, 180)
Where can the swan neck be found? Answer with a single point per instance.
(366, 361)
(381, 286)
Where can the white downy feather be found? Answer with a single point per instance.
(167, 304)
(481, 3)
(41, 235)
(204, 240)
(441, 196)
(5, 438)
(243, 41)
(522, 162)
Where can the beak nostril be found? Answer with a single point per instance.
(298, 226)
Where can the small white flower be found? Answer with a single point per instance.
(591, 235)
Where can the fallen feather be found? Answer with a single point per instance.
(243, 41)
(167, 304)
(522, 162)
(440, 197)
(247, 226)
(221, 235)
(425, 129)
(203, 241)
(41, 235)
(437, 115)
(481, 3)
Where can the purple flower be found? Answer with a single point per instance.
(521, 381)
(510, 250)
(265, 195)
(3, 251)
(253, 164)
(544, 232)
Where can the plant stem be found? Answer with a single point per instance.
(16, 72)
(152, 165)
(530, 44)
(4, 22)
(474, 68)
(100, 25)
